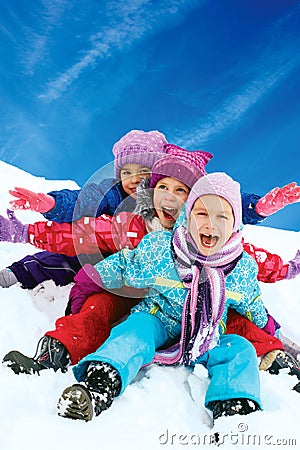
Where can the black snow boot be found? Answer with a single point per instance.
(297, 388)
(102, 385)
(50, 354)
(296, 371)
(233, 406)
(283, 360)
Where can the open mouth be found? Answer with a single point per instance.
(169, 214)
(208, 240)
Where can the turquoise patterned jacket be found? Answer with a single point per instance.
(151, 265)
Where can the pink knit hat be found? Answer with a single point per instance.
(187, 166)
(220, 184)
(138, 147)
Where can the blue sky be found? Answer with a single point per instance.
(217, 75)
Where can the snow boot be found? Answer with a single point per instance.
(297, 388)
(282, 360)
(295, 371)
(233, 406)
(20, 363)
(7, 278)
(102, 385)
(290, 346)
(50, 354)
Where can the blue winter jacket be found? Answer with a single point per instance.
(104, 198)
(151, 265)
(92, 201)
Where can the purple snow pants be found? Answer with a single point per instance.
(33, 269)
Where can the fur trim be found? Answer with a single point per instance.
(144, 200)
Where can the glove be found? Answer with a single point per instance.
(12, 230)
(87, 282)
(31, 200)
(277, 199)
(293, 267)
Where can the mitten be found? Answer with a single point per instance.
(31, 200)
(87, 282)
(12, 230)
(293, 267)
(277, 199)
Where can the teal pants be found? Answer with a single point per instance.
(232, 364)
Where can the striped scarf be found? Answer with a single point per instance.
(204, 276)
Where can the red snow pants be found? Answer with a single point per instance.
(84, 332)
(262, 341)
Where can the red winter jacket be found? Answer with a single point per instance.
(125, 230)
(88, 235)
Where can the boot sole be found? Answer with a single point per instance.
(75, 403)
(20, 363)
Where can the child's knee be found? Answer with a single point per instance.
(241, 345)
(148, 325)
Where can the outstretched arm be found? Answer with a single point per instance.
(86, 236)
(256, 208)
(271, 267)
(26, 199)
(277, 199)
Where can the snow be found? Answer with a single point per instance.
(163, 408)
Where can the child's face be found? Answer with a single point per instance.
(168, 199)
(131, 176)
(211, 223)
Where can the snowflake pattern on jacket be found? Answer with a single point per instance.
(151, 265)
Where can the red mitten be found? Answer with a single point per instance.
(277, 199)
(31, 200)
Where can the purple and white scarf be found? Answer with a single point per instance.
(204, 276)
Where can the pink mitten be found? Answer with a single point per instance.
(277, 199)
(31, 200)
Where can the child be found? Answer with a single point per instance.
(192, 275)
(93, 201)
(82, 332)
(110, 234)
(135, 154)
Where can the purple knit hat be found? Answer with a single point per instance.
(187, 166)
(221, 184)
(138, 147)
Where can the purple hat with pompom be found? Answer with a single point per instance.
(138, 147)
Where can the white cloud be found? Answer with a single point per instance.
(276, 61)
(128, 22)
(234, 108)
(36, 43)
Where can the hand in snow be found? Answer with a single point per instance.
(12, 230)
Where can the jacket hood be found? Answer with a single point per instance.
(144, 200)
(145, 208)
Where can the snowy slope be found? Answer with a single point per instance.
(163, 408)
